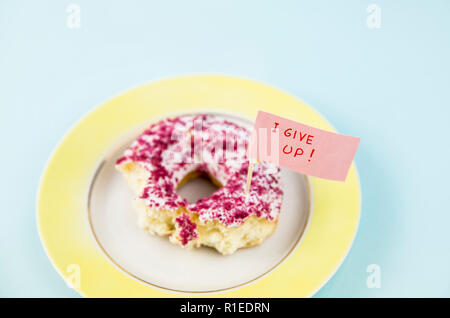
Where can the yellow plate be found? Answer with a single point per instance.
(61, 204)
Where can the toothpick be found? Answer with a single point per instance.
(249, 177)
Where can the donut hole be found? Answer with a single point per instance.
(196, 186)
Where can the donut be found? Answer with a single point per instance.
(173, 151)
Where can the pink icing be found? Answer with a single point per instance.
(169, 151)
(188, 229)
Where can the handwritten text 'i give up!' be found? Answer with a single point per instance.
(302, 148)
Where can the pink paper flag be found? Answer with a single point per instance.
(302, 148)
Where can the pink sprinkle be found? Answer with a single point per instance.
(188, 230)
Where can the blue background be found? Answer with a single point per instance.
(390, 86)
